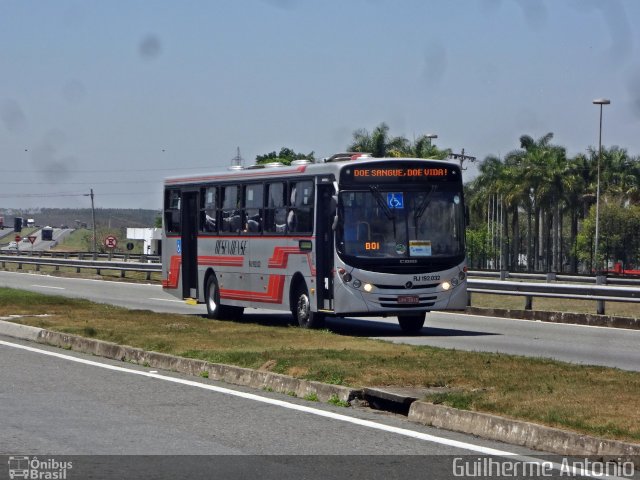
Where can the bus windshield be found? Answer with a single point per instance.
(395, 223)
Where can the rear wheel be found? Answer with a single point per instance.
(212, 293)
(214, 308)
(301, 310)
(411, 324)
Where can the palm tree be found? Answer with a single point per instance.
(379, 143)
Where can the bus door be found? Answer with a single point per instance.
(324, 243)
(189, 244)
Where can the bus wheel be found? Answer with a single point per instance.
(302, 310)
(411, 324)
(212, 293)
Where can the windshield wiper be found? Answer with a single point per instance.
(385, 208)
(423, 205)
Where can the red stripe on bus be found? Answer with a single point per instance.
(219, 260)
(275, 289)
(176, 263)
(174, 273)
(280, 258)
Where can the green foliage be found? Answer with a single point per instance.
(619, 235)
(536, 199)
(285, 156)
(478, 247)
(380, 144)
(334, 400)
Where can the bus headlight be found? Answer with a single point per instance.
(367, 287)
(446, 285)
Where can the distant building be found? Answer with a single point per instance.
(151, 237)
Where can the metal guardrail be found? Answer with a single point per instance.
(554, 277)
(86, 255)
(598, 293)
(142, 265)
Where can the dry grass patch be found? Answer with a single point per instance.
(592, 400)
(513, 302)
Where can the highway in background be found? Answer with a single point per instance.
(571, 343)
(24, 245)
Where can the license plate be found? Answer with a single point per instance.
(412, 299)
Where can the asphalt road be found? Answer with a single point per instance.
(57, 404)
(571, 343)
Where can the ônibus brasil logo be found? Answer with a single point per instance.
(36, 469)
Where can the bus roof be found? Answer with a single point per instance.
(298, 167)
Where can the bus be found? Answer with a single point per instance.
(350, 235)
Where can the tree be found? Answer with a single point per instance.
(285, 156)
(619, 236)
(380, 144)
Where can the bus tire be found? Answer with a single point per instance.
(212, 298)
(411, 324)
(215, 309)
(301, 311)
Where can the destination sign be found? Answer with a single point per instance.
(396, 172)
(400, 172)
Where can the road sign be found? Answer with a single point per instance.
(32, 239)
(18, 238)
(111, 242)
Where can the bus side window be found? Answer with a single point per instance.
(300, 216)
(253, 208)
(230, 213)
(172, 211)
(208, 210)
(275, 213)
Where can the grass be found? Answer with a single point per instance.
(592, 400)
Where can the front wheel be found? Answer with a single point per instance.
(411, 324)
(302, 310)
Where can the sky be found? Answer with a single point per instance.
(118, 95)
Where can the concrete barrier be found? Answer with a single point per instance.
(526, 434)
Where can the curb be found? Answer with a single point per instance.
(226, 373)
(517, 432)
(483, 425)
(559, 317)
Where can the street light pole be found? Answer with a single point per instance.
(431, 136)
(601, 102)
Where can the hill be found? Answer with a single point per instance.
(74, 217)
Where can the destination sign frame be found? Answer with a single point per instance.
(399, 172)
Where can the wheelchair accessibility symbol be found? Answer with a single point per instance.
(395, 200)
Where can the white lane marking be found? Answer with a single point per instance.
(47, 286)
(322, 413)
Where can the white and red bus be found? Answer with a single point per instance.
(351, 236)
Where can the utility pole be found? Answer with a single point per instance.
(93, 220)
(462, 158)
